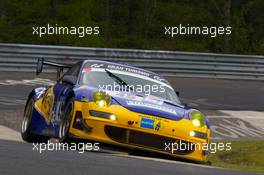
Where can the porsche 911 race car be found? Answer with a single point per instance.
(115, 104)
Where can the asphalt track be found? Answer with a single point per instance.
(19, 158)
(205, 94)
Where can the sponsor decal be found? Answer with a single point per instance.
(150, 105)
(153, 99)
(125, 95)
(158, 126)
(40, 91)
(97, 65)
(147, 123)
(86, 69)
(119, 69)
(158, 78)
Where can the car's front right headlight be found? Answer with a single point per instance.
(198, 119)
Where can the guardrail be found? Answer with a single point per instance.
(23, 57)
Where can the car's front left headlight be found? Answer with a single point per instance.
(102, 99)
(198, 119)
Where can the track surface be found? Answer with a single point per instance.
(18, 158)
(220, 94)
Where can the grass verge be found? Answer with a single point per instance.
(244, 156)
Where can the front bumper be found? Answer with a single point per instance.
(127, 131)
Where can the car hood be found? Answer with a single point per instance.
(149, 105)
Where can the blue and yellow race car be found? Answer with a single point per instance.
(115, 104)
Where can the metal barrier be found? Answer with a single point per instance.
(23, 57)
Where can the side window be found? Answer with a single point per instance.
(74, 71)
(71, 76)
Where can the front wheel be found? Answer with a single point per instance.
(26, 128)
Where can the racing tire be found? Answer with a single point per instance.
(67, 116)
(26, 127)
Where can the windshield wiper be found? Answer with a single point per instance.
(117, 79)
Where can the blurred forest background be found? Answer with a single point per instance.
(138, 24)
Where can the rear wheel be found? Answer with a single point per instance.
(66, 122)
(26, 128)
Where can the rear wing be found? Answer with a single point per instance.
(60, 67)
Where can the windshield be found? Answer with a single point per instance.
(120, 81)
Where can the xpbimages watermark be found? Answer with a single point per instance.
(210, 148)
(80, 31)
(80, 147)
(213, 31)
(138, 88)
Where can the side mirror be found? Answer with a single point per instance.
(178, 93)
(69, 79)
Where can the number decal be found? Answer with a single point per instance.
(39, 92)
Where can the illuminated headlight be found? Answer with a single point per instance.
(101, 103)
(198, 134)
(102, 99)
(104, 115)
(196, 122)
(112, 117)
(198, 119)
(192, 133)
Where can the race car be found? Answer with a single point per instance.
(116, 104)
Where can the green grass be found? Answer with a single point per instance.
(244, 156)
